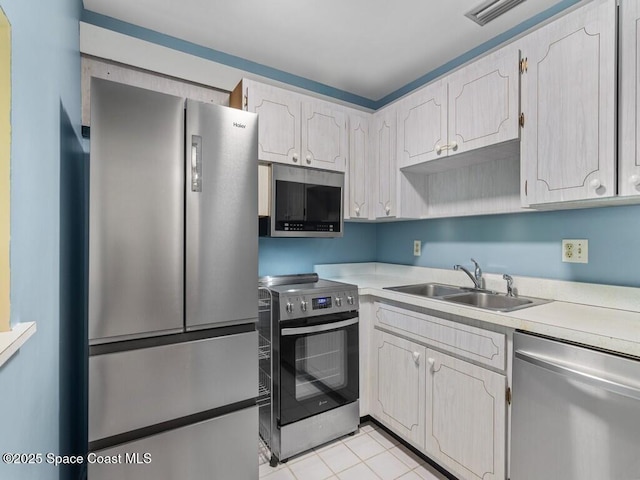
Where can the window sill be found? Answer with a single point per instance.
(11, 341)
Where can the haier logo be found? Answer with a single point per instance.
(239, 125)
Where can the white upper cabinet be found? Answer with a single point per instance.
(484, 102)
(324, 136)
(385, 171)
(422, 125)
(279, 125)
(293, 128)
(359, 204)
(568, 100)
(474, 107)
(629, 131)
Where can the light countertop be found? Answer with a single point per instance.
(568, 317)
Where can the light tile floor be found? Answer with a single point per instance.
(370, 454)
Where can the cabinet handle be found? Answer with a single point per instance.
(308, 159)
(433, 365)
(595, 184)
(634, 180)
(416, 357)
(449, 146)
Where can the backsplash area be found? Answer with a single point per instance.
(523, 244)
(526, 244)
(280, 256)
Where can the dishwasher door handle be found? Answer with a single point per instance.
(584, 377)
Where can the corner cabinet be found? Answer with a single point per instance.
(383, 147)
(629, 128)
(358, 200)
(294, 129)
(568, 141)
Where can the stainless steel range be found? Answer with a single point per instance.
(314, 362)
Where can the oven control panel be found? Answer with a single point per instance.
(308, 305)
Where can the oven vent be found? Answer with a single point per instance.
(490, 10)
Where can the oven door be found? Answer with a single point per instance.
(318, 365)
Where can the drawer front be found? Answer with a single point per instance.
(480, 345)
(138, 388)
(219, 449)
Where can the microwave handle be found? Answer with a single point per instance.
(318, 328)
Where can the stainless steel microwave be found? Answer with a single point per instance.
(304, 202)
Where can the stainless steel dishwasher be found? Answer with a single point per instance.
(575, 412)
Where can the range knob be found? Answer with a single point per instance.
(289, 307)
(350, 300)
(338, 301)
(303, 306)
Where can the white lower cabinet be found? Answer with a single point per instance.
(451, 409)
(398, 394)
(465, 417)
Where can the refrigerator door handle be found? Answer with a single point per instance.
(196, 163)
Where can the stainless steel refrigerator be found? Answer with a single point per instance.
(172, 288)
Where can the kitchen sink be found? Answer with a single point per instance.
(491, 301)
(485, 299)
(429, 289)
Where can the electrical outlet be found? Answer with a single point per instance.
(575, 251)
(417, 248)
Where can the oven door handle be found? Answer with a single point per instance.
(318, 328)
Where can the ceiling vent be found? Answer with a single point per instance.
(490, 10)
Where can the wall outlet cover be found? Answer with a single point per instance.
(417, 248)
(575, 251)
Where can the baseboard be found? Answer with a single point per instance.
(414, 450)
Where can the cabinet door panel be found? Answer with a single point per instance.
(358, 205)
(279, 124)
(568, 141)
(384, 155)
(484, 101)
(422, 125)
(324, 137)
(629, 178)
(466, 417)
(399, 385)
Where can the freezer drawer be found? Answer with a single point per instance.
(139, 388)
(223, 448)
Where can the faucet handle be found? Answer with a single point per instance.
(509, 280)
(477, 271)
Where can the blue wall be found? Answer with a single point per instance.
(45, 121)
(280, 256)
(524, 244)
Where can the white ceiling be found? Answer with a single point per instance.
(369, 48)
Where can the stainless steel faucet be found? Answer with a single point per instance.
(476, 277)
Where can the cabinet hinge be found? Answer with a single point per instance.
(522, 119)
(246, 102)
(524, 65)
(508, 395)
